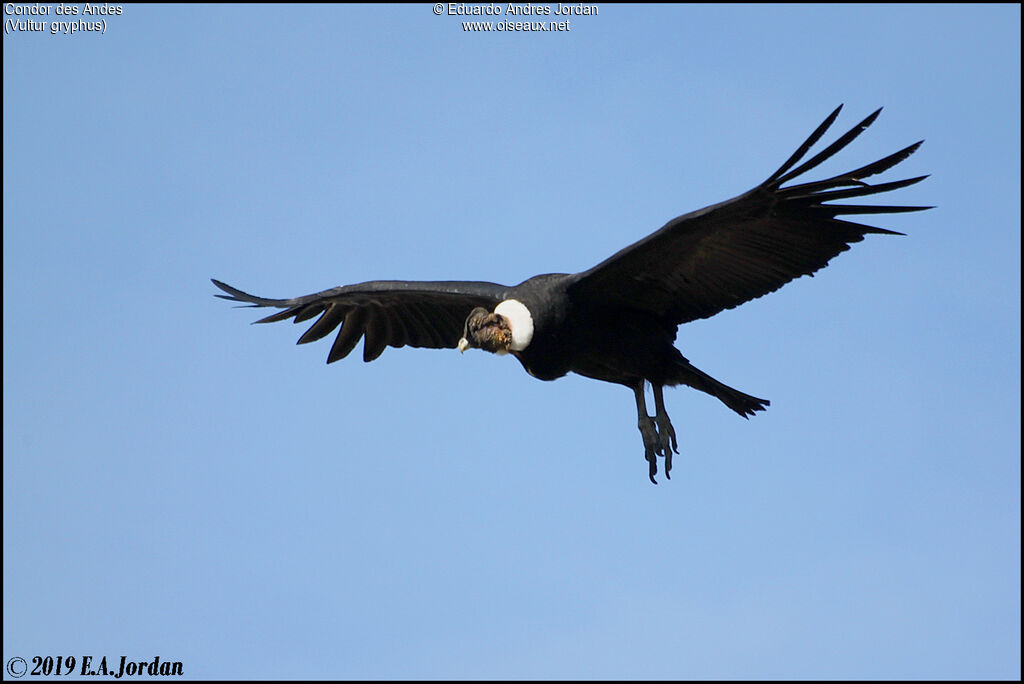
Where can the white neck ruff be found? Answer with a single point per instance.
(520, 322)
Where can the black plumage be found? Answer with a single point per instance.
(617, 321)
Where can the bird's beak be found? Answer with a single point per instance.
(463, 345)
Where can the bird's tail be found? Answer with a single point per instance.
(741, 403)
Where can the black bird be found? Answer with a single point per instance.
(617, 322)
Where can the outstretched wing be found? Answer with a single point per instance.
(724, 255)
(389, 312)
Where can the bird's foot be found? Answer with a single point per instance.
(666, 440)
(659, 440)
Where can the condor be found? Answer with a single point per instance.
(617, 321)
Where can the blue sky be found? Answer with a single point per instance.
(182, 484)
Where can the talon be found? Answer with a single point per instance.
(652, 463)
(670, 447)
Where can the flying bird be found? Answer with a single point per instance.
(617, 321)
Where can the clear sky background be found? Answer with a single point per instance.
(182, 484)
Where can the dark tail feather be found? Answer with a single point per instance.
(741, 403)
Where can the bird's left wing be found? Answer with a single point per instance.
(388, 312)
(724, 255)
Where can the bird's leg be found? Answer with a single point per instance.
(647, 431)
(666, 433)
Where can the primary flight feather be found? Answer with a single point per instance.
(617, 321)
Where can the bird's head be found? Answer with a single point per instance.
(487, 331)
(508, 328)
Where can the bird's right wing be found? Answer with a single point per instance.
(391, 313)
